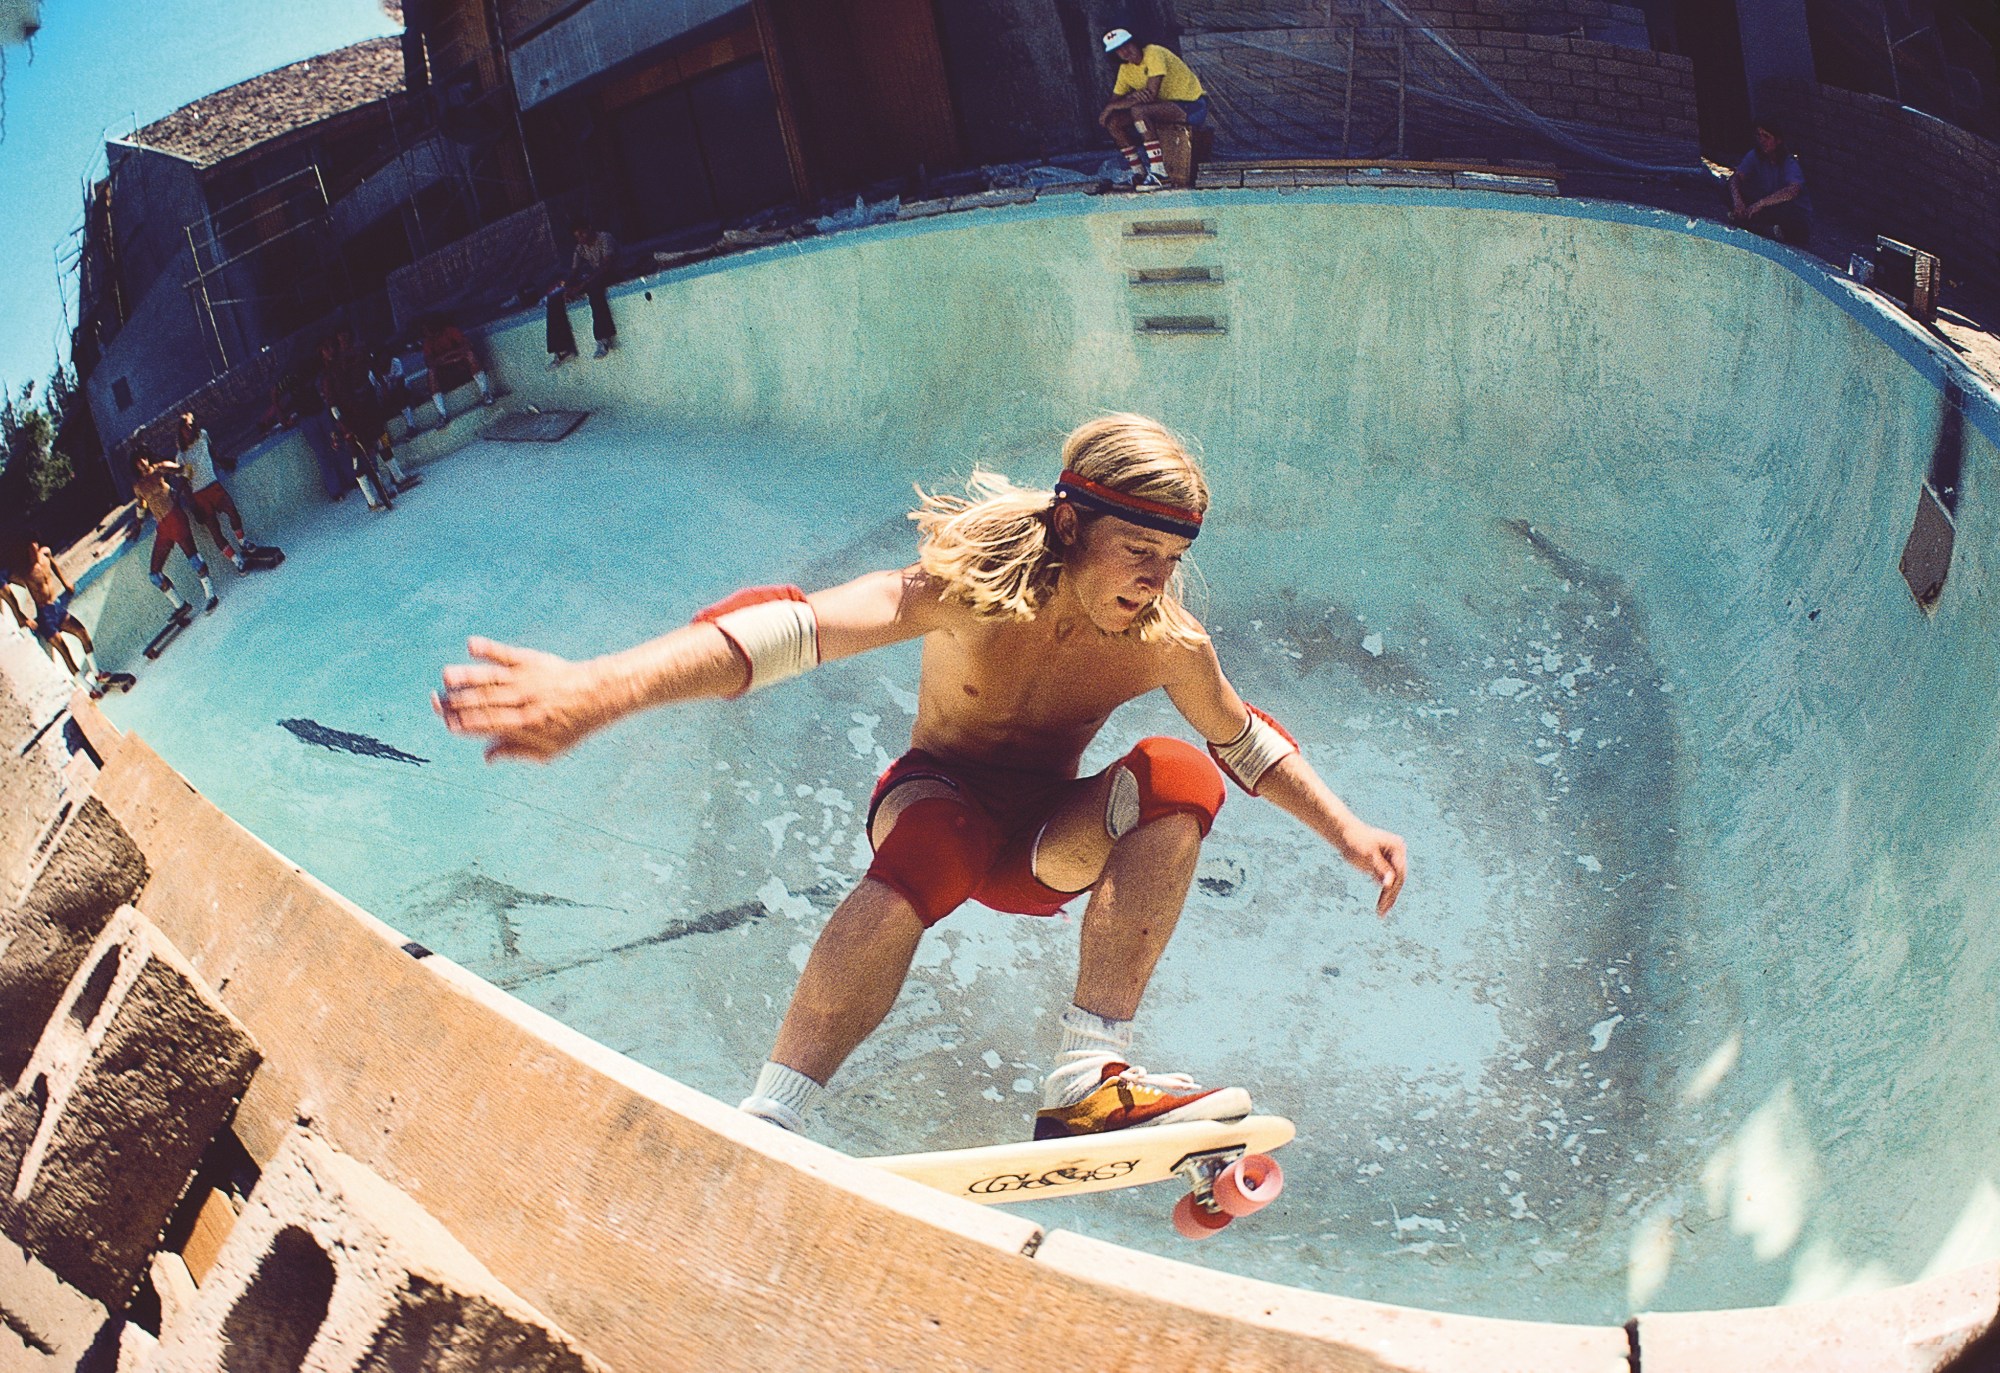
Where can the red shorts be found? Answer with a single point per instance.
(1007, 809)
(213, 501)
(173, 530)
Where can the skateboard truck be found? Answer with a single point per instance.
(1222, 1185)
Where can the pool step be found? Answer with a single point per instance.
(1170, 228)
(1181, 324)
(1175, 276)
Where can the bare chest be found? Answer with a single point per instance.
(1028, 679)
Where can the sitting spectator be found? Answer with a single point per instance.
(1154, 88)
(1767, 193)
(449, 362)
(282, 412)
(590, 272)
(391, 376)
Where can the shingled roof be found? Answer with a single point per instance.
(239, 117)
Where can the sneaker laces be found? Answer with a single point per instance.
(1176, 1084)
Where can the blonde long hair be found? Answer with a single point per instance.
(995, 548)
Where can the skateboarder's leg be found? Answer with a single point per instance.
(1133, 836)
(163, 543)
(931, 851)
(1133, 911)
(851, 979)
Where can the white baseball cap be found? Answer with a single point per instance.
(1117, 39)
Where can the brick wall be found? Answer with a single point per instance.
(1518, 16)
(1892, 170)
(1283, 90)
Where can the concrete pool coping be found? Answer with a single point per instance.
(405, 1104)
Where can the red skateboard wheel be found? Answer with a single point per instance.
(1195, 1221)
(1249, 1184)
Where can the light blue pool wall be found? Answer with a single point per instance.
(1736, 433)
(1716, 439)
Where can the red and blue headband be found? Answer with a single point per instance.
(1095, 496)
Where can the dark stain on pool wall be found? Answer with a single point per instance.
(822, 894)
(340, 741)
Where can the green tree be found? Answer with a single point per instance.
(36, 469)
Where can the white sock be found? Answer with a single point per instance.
(438, 401)
(485, 386)
(1089, 1041)
(783, 1096)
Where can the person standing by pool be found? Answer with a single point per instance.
(590, 272)
(1041, 612)
(210, 497)
(348, 388)
(1767, 191)
(41, 576)
(153, 485)
(1154, 88)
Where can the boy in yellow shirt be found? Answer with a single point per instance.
(1154, 88)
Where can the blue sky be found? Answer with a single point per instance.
(98, 70)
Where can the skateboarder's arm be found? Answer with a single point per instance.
(533, 705)
(1204, 697)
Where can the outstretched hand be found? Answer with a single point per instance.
(1381, 855)
(525, 703)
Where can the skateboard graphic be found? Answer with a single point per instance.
(171, 631)
(1223, 1162)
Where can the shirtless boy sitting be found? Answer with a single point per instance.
(153, 483)
(1041, 613)
(51, 591)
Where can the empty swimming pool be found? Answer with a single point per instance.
(1564, 537)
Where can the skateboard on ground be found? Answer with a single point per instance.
(171, 631)
(258, 557)
(1223, 1162)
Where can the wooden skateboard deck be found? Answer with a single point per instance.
(177, 622)
(1030, 1171)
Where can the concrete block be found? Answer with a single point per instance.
(985, 200)
(1492, 181)
(1917, 1328)
(90, 869)
(1258, 178)
(1396, 176)
(330, 1269)
(136, 1070)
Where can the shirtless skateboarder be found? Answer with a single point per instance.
(1041, 613)
(153, 482)
(51, 592)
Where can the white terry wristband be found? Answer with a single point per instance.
(779, 639)
(1260, 747)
